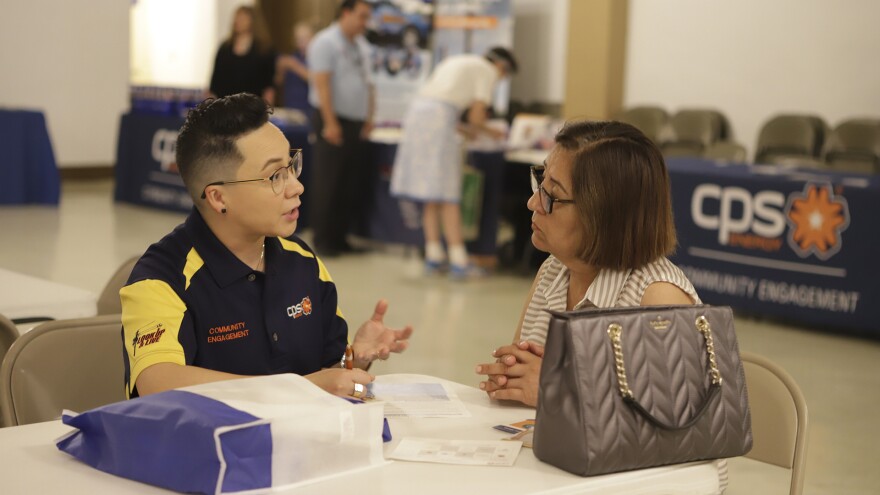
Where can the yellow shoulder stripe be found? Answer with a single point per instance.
(323, 274)
(193, 263)
(289, 245)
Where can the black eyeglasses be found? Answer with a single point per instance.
(547, 199)
(278, 179)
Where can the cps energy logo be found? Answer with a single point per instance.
(304, 308)
(815, 218)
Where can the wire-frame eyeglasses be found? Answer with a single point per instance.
(277, 180)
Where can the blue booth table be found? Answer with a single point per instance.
(28, 173)
(395, 221)
(793, 243)
(146, 172)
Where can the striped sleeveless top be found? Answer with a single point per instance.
(610, 289)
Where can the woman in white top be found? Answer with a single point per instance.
(427, 167)
(601, 207)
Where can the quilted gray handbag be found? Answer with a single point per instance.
(631, 388)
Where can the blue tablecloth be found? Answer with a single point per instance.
(28, 173)
(146, 172)
(794, 243)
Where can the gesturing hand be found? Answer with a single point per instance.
(374, 340)
(515, 374)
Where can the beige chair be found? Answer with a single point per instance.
(779, 417)
(648, 119)
(8, 334)
(108, 301)
(790, 137)
(854, 146)
(64, 364)
(691, 131)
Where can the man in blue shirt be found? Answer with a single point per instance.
(232, 292)
(341, 90)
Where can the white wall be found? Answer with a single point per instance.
(70, 60)
(173, 42)
(540, 38)
(755, 58)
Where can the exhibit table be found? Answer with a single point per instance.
(30, 462)
(794, 243)
(28, 173)
(26, 297)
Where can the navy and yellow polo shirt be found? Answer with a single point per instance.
(190, 301)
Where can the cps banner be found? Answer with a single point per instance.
(795, 244)
(146, 168)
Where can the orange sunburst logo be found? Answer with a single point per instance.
(817, 217)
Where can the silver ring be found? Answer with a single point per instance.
(358, 391)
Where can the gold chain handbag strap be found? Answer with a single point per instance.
(704, 328)
(614, 333)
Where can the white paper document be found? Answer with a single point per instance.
(418, 400)
(469, 452)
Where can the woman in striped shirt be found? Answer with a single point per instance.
(601, 207)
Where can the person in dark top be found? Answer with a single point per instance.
(245, 62)
(292, 70)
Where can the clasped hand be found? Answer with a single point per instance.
(515, 373)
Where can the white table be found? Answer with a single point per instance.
(30, 463)
(24, 296)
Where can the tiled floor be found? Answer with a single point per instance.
(81, 243)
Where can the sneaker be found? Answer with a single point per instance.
(467, 272)
(435, 267)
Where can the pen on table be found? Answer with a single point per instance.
(349, 357)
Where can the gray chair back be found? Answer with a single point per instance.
(65, 364)
(787, 137)
(648, 119)
(691, 131)
(854, 146)
(780, 422)
(8, 334)
(108, 301)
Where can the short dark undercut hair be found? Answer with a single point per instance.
(621, 191)
(206, 148)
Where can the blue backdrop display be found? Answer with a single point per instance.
(146, 171)
(791, 243)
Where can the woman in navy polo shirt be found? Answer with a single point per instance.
(232, 292)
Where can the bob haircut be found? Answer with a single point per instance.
(621, 192)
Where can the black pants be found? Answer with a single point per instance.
(341, 184)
